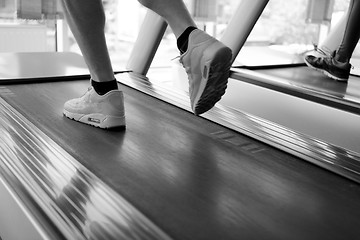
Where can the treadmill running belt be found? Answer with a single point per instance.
(193, 178)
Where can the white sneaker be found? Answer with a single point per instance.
(103, 111)
(207, 62)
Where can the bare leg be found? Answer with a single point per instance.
(174, 12)
(332, 42)
(87, 21)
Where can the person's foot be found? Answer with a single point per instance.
(103, 111)
(330, 67)
(207, 62)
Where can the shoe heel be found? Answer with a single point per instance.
(113, 122)
(218, 52)
(215, 77)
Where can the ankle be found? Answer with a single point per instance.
(183, 40)
(341, 60)
(102, 88)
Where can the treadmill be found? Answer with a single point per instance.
(244, 170)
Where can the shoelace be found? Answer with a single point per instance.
(319, 50)
(315, 48)
(88, 90)
(180, 60)
(175, 58)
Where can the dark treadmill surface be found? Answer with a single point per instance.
(193, 178)
(306, 78)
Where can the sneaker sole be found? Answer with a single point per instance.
(326, 73)
(97, 120)
(215, 78)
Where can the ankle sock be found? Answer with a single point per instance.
(341, 59)
(104, 87)
(182, 41)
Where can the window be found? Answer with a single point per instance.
(285, 30)
(27, 25)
